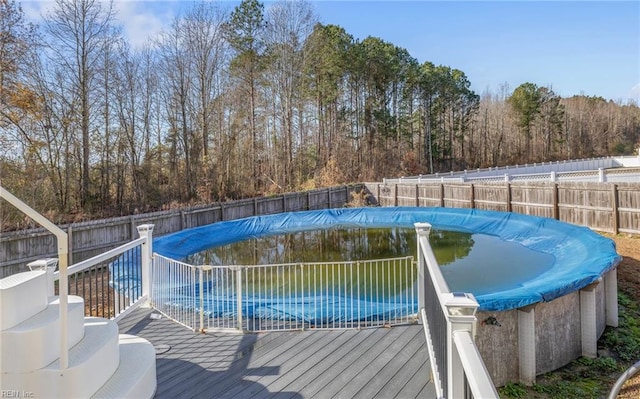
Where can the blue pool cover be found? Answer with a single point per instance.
(581, 256)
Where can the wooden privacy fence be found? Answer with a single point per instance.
(91, 238)
(603, 207)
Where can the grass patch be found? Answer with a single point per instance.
(513, 390)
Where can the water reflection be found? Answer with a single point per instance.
(449, 246)
(474, 263)
(335, 245)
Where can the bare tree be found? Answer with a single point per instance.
(18, 42)
(205, 47)
(77, 31)
(289, 24)
(178, 81)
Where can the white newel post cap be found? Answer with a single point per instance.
(422, 228)
(49, 265)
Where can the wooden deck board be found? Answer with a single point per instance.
(401, 378)
(382, 363)
(313, 364)
(349, 366)
(414, 390)
(272, 363)
(286, 361)
(365, 366)
(389, 364)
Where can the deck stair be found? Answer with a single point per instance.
(102, 362)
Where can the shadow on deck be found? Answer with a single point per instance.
(371, 363)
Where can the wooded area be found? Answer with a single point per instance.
(232, 103)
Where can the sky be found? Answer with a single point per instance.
(574, 47)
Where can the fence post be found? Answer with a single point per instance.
(556, 209)
(302, 292)
(201, 270)
(70, 244)
(146, 230)
(201, 294)
(422, 230)
(239, 296)
(395, 194)
(615, 201)
(473, 197)
(442, 195)
(461, 316)
(509, 209)
(132, 228)
(417, 195)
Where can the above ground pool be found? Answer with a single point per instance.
(529, 322)
(579, 256)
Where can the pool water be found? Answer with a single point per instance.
(477, 263)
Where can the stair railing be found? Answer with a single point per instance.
(133, 258)
(63, 256)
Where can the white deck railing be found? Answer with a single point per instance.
(449, 322)
(92, 279)
(295, 296)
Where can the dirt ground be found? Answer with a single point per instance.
(629, 281)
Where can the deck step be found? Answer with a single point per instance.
(136, 374)
(22, 295)
(91, 363)
(35, 342)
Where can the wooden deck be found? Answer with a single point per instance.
(372, 363)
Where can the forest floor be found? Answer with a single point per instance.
(618, 348)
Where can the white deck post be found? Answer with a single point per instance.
(611, 297)
(146, 230)
(527, 344)
(588, 321)
(422, 230)
(461, 316)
